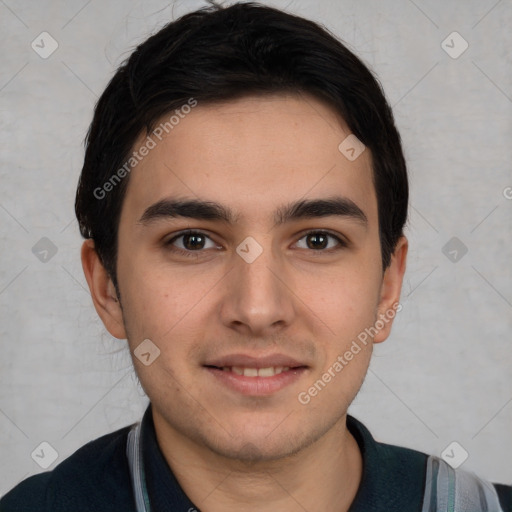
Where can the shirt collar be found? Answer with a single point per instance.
(393, 477)
(164, 490)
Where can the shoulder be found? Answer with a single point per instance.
(404, 478)
(458, 489)
(94, 478)
(505, 496)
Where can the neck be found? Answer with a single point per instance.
(324, 476)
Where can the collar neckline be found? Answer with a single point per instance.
(388, 481)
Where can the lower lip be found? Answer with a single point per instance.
(257, 386)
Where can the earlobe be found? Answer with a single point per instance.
(390, 290)
(103, 292)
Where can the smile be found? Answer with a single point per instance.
(250, 381)
(256, 372)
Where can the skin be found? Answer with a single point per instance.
(231, 451)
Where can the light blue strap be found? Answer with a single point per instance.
(134, 454)
(450, 490)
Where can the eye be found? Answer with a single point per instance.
(319, 241)
(189, 242)
(192, 243)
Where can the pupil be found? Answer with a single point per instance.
(195, 244)
(317, 237)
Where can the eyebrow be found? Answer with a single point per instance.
(210, 210)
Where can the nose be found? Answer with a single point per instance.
(258, 296)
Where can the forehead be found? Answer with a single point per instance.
(250, 154)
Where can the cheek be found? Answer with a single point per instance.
(162, 303)
(346, 301)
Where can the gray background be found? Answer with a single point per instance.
(445, 373)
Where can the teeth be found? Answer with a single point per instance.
(257, 372)
(266, 372)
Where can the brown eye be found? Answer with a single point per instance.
(190, 242)
(193, 241)
(321, 241)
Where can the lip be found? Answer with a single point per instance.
(256, 386)
(248, 361)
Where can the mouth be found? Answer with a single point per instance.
(269, 371)
(256, 376)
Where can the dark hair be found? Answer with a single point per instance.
(216, 54)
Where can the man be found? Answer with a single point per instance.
(243, 199)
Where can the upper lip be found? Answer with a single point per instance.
(247, 361)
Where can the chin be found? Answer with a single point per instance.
(263, 444)
(256, 451)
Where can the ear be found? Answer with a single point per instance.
(103, 292)
(390, 290)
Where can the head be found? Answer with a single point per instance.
(230, 123)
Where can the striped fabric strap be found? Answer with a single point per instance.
(134, 454)
(450, 490)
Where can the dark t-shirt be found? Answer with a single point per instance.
(97, 478)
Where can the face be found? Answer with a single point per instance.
(249, 254)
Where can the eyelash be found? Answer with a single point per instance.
(194, 254)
